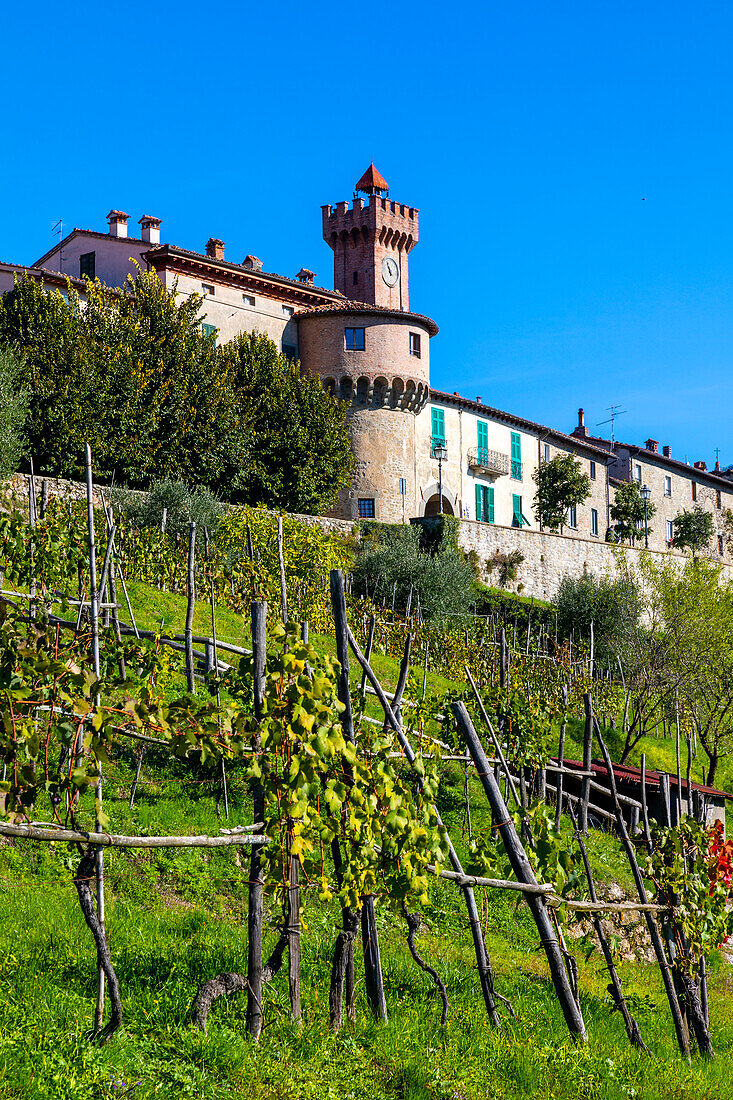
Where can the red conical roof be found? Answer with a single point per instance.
(372, 181)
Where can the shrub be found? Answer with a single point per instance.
(182, 503)
(613, 606)
(390, 560)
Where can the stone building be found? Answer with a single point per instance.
(370, 349)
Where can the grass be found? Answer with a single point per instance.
(176, 918)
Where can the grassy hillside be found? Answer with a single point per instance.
(178, 917)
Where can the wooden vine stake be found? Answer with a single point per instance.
(679, 1025)
(373, 979)
(256, 885)
(191, 598)
(482, 956)
(523, 870)
(99, 861)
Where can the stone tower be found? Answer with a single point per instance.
(370, 350)
(371, 242)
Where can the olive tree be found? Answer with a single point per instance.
(561, 485)
(14, 397)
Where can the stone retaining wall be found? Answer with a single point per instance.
(14, 493)
(549, 557)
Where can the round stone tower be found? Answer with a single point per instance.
(370, 350)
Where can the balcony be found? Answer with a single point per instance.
(517, 470)
(492, 463)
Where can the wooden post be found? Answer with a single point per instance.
(44, 498)
(679, 1026)
(502, 660)
(587, 760)
(561, 758)
(94, 598)
(370, 643)
(373, 978)
(614, 988)
(256, 900)
(281, 563)
(524, 873)
(666, 804)
(679, 762)
(644, 807)
(191, 598)
(689, 776)
(482, 956)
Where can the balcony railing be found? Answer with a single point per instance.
(482, 460)
(516, 470)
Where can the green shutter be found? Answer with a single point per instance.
(483, 438)
(516, 456)
(438, 426)
(489, 504)
(516, 510)
(479, 503)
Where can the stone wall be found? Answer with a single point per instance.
(14, 494)
(549, 557)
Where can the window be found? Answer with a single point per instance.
(207, 288)
(547, 452)
(517, 517)
(208, 330)
(415, 344)
(482, 429)
(288, 311)
(670, 530)
(516, 457)
(668, 486)
(290, 352)
(694, 490)
(718, 502)
(594, 521)
(637, 472)
(572, 517)
(721, 545)
(356, 277)
(87, 265)
(592, 471)
(485, 503)
(366, 507)
(354, 339)
(248, 299)
(438, 426)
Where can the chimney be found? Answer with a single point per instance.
(150, 229)
(478, 400)
(253, 263)
(306, 276)
(215, 248)
(700, 465)
(118, 223)
(652, 445)
(581, 428)
(717, 466)
(667, 451)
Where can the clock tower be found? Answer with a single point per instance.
(371, 241)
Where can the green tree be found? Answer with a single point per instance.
(14, 398)
(132, 375)
(561, 485)
(612, 605)
(693, 530)
(390, 561)
(299, 450)
(627, 511)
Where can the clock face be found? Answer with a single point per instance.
(390, 271)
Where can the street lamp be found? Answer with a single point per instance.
(440, 451)
(646, 496)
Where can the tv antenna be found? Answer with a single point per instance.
(59, 228)
(616, 411)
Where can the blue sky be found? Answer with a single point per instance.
(572, 163)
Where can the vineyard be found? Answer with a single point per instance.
(263, 837)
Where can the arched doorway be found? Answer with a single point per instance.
(432, 507)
